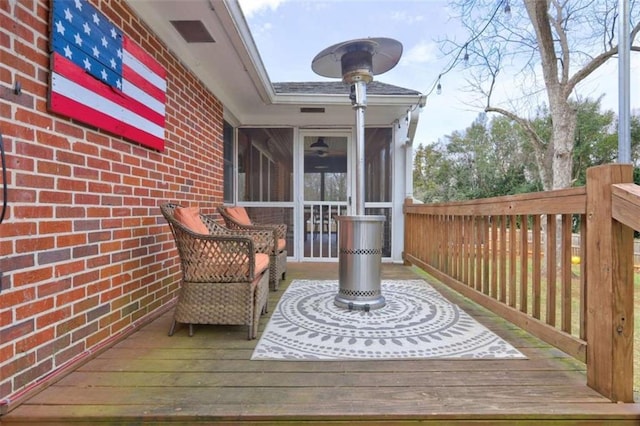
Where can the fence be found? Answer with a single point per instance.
(513, 255)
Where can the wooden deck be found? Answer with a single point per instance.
(208, 378)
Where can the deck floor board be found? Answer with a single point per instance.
(208, 378)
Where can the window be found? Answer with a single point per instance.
(378, 164)
(265, 164)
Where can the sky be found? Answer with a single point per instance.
(290, 33)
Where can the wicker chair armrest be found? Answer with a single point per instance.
(280, 229)
(263, 239)
(216, 258)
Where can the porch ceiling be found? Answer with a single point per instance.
(232, 69)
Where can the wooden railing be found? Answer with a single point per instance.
(513, 255)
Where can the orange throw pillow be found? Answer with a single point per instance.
(239, 214)
(190, 218)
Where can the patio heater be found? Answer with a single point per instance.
(360, 243)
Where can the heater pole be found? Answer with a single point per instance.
(360, 105)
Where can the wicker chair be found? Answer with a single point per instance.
(224, 278)
(237, 218)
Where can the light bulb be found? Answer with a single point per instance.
(507, 9)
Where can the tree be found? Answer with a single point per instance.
(596, 140)
(430, 177)
(487, 159)
(564, 40)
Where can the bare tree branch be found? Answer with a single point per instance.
(526, 125)
(559, 25)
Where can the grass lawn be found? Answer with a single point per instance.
(575, 306)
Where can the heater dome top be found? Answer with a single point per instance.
(384, 55)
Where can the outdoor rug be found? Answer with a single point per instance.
(417, 322)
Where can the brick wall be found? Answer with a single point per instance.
(84, 251)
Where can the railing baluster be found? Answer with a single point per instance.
(502, 276)
(565, 301)
(494, 256)
(536, 267)
(513, 259)
(524, 263)
(550, 255)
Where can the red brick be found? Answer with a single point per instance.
(29, 117)
(85, 304)
(53, 288)
(14, 331)
(70, 297)
(71, 240)
(16, 297)
(70, 268)
(48, 138)
(71, 185)
(70, 158)
(54, 227)
(22, 195)
(69, 130)
(51, 197)
(53, 168)
(34, 244)
(33, 308)
(32, 276)
(34, 151)
(34, 181)
(35, 212)
(34, 340)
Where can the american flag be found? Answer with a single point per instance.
(100, 77)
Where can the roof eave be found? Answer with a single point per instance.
(237, 29)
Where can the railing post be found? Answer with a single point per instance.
(408, 201)
(609, 274)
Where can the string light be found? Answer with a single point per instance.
(437, 85)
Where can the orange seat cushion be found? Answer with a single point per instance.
(189, 217)
(262, 263)
(282, 244)
(239, 214)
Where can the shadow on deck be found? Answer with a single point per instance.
(209, 378)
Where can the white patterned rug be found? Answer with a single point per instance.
(417, 322)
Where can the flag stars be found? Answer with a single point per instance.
(119, 53)
(96, 52)
(119, 84)
(113, 63)
(104, 74)
(104, 42)
(79, 4)
(114, 34)
(67, 52)
(60, 27)
(86, 28)
(96, 19)
(78, 39)
(87, 64)
(68, 15)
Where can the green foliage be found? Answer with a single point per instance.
(493, 157)
(485, 160)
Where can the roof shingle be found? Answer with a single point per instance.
(339, 88)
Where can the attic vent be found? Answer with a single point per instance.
(193, 31)
(312, 110)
